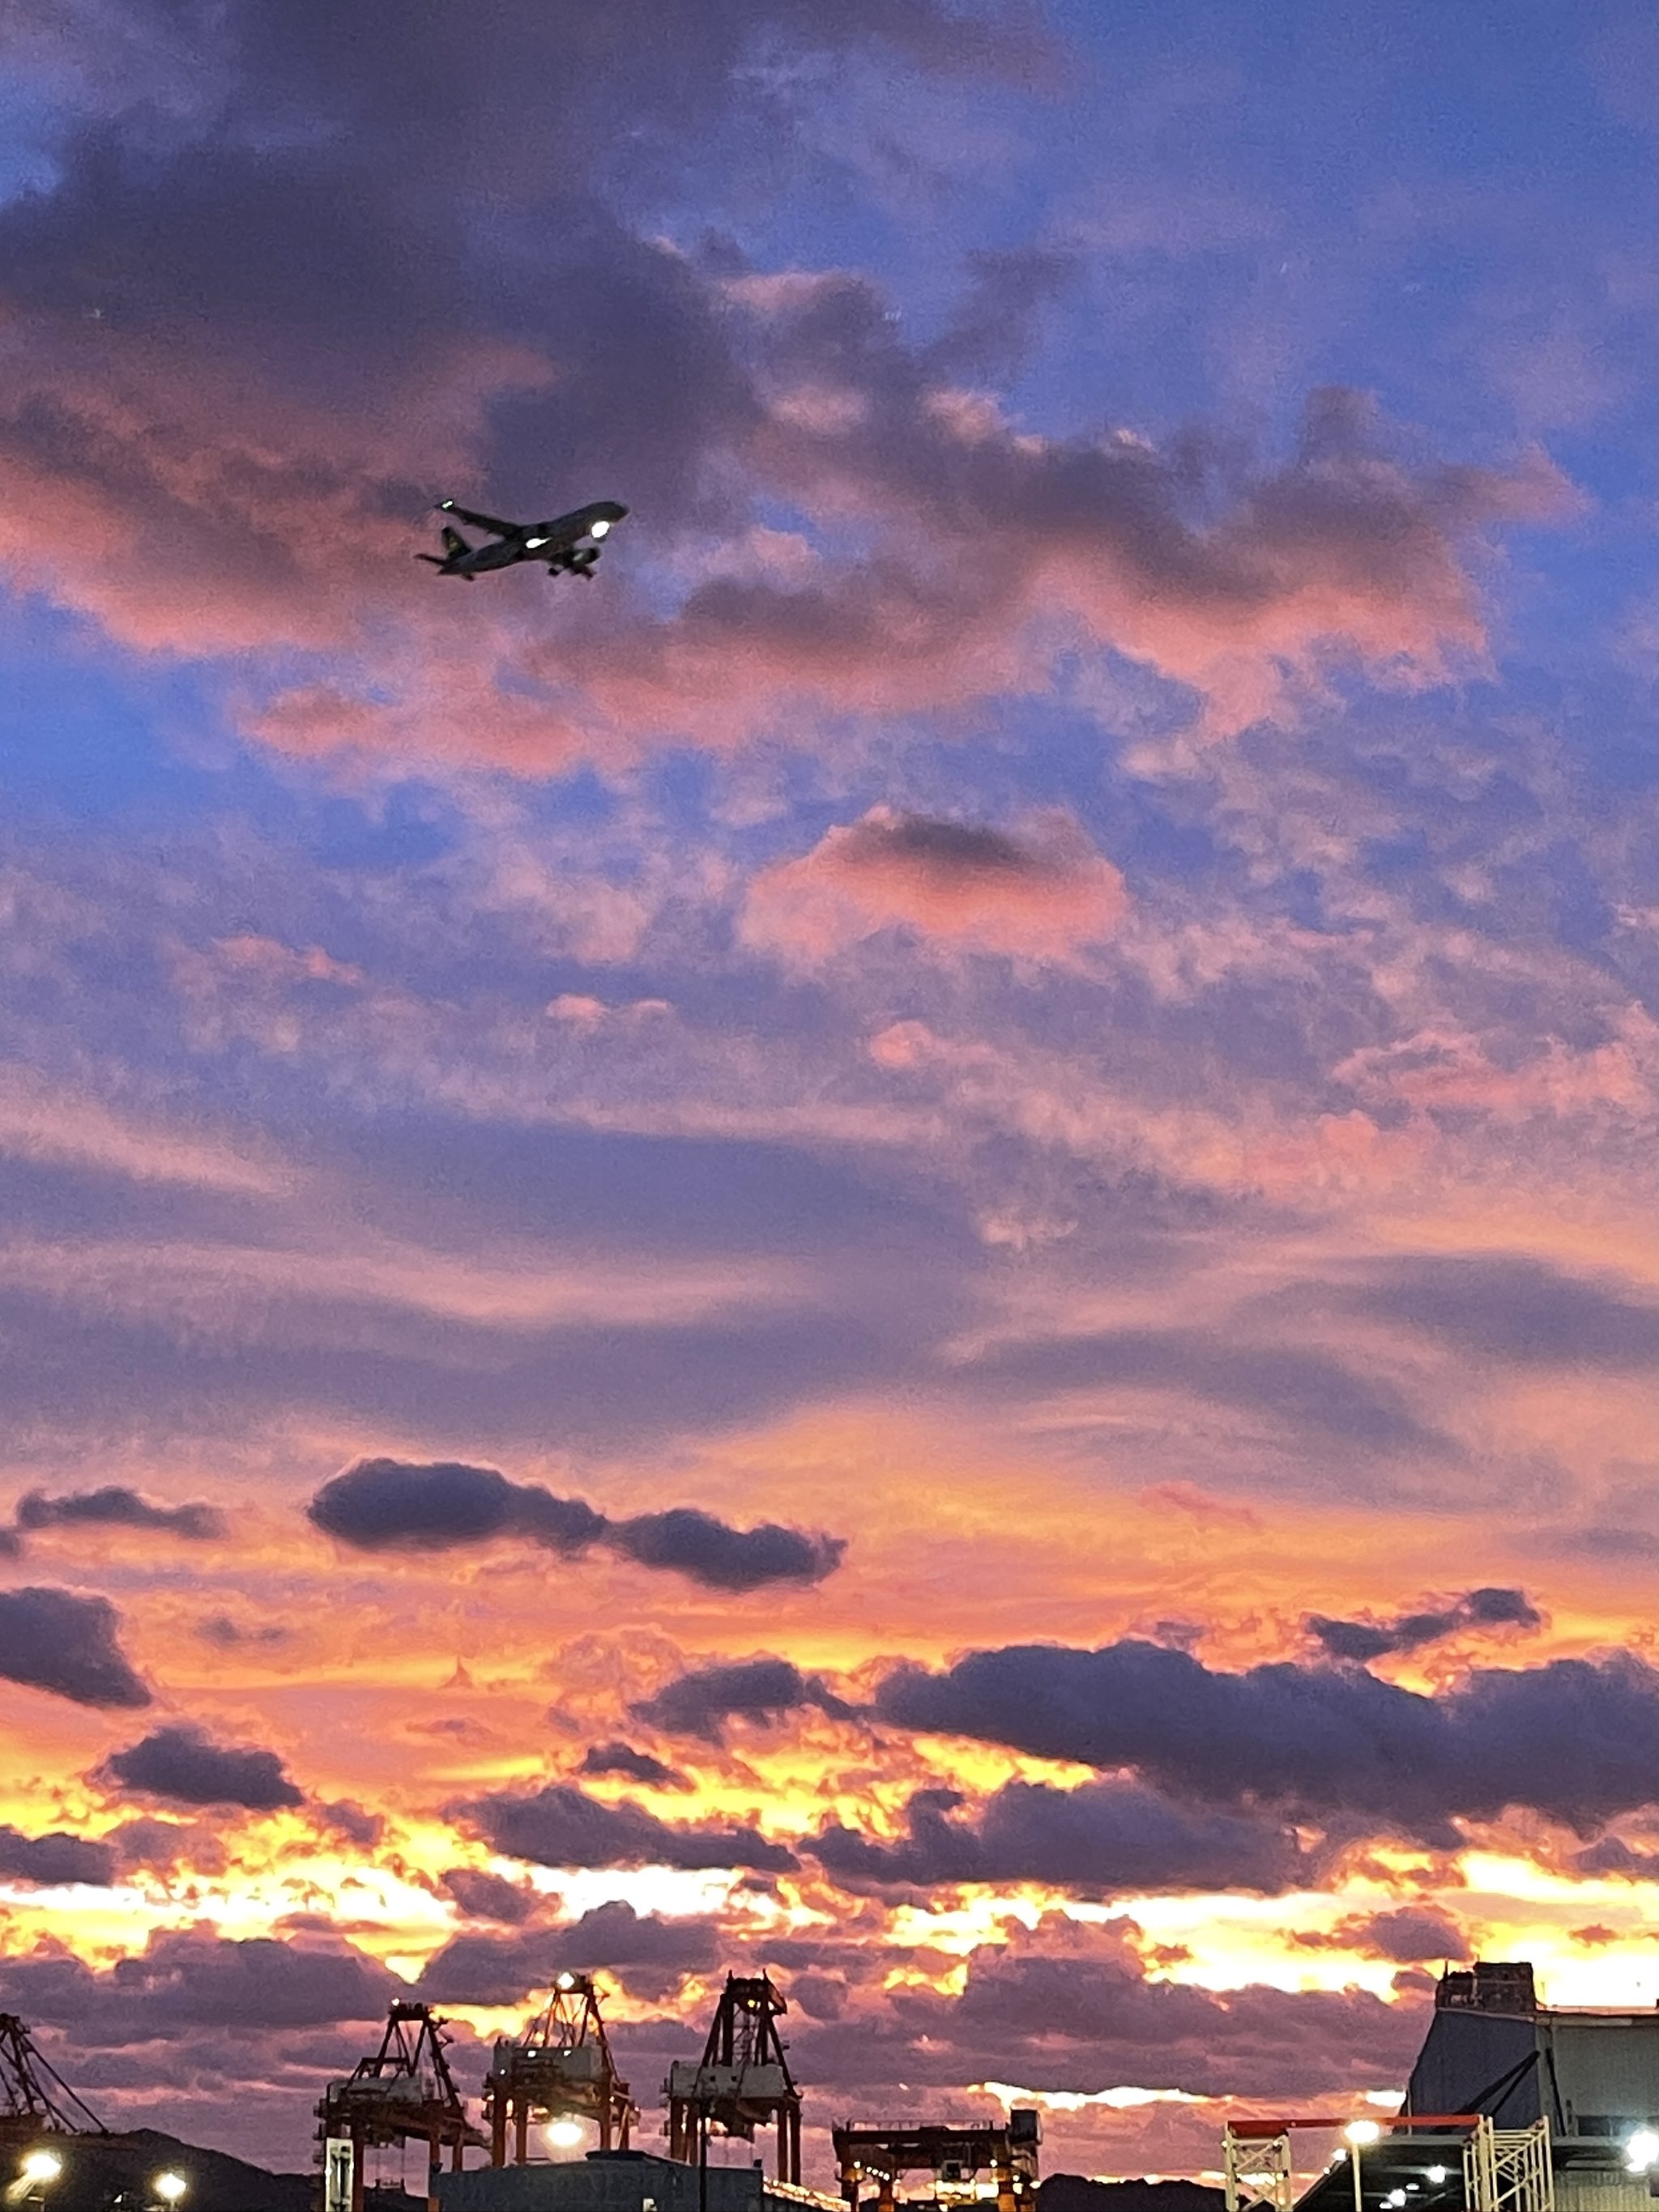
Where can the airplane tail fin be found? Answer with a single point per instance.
(454, 543)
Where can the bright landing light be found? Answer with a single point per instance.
(533, 543)
(597, 529)
(564, 2135)
(1642, 2151)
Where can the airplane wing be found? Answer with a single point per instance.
(492, 523)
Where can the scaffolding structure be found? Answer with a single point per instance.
(402, 2092)
(1509, 2169)
(560, 2068)
(742, 2081)
(954, 2156)
(1502, 2169)
(34, 2098)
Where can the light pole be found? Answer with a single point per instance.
(1359, 2134)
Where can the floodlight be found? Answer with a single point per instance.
(170, 2187)
(1642, 2151)
(564, 2135)
(1362, 2131)
(565, 1982)
(41, 2166)
(1437, 2175)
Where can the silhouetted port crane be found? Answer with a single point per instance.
(404, 2093)
(560, 2068)
(953, 2155)
(35, 2100)
(742, 2080)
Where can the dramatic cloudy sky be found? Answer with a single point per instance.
(915, 1243)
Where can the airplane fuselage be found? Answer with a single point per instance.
(569, 543)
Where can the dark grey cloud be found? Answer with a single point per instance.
(113, 1506)
(1105, 1836)
(53, 1640)
(994, 324)
(1576, 1739)
(1364, 1640)
(181, 1766)
(387, 1505)
(1612, 1855)
(188, 1979)
(697, 1545)
(58, 1858)
(1410, 1934)
(355, 1822)
(230, 1636)
(1070, 2009)
(647, 1954)
(486, 1896)
(1517, 1309)
(333, 269)
(635, 1765)
(941, 851)
(559, 1827)
(699, 1702)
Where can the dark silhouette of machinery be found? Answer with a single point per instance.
(560, 2068)
(953, 2155)
(35, 2100)
(404, 2093)
(742, 2080)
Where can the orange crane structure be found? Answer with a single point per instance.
(742, 2081)
(402, 2092)
(35, 2100)
(561, 2067)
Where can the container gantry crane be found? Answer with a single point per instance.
(742, 2081)
(560, 2068)
(402, 2092)
(35, 2100)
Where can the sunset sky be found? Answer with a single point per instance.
(916, 1243)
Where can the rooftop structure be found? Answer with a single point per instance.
(624, 2181)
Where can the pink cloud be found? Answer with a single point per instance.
(1040, 893)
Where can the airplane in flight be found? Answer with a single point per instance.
(570, 544)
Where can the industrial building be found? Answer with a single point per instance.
(1512, 2106)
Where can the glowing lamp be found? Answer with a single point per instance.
(1641, 2150)
(170, 2187)
(564, 2135)
(565, 1982)
(1437, 2175)
(1362, 2131)
(41, 2166)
